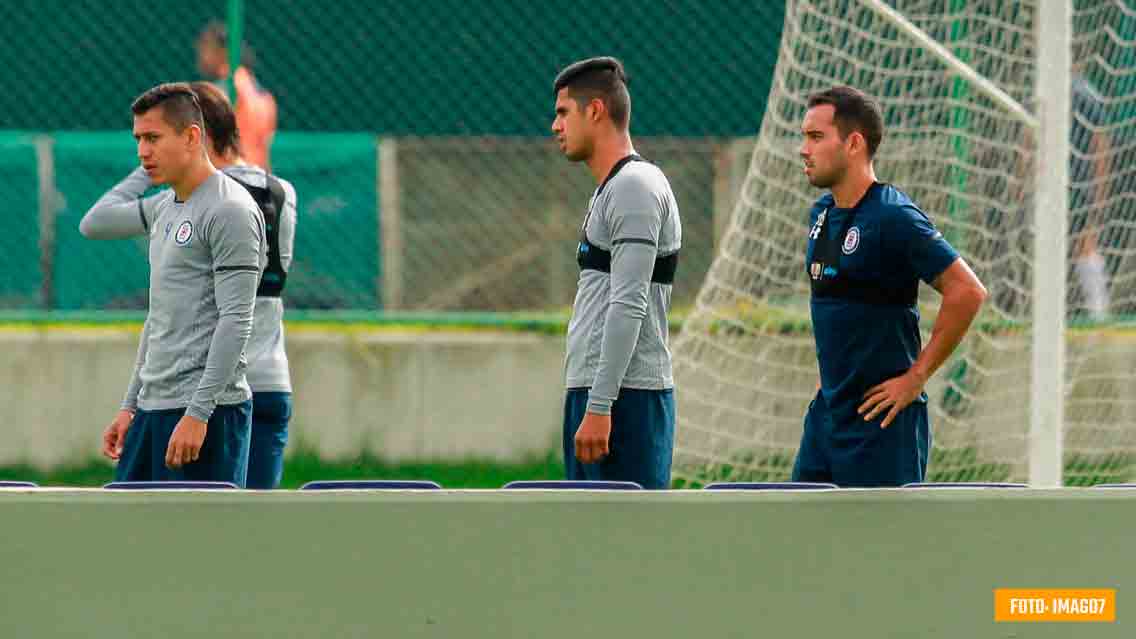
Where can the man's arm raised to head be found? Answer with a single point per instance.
(121, 212)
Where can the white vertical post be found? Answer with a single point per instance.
(390, 225)
(1051, 202)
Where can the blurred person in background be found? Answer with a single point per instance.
(1089, 173)
(255, 107)
(1090, 182)
(124, 212)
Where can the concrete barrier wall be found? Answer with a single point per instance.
(400, 395)
(428, 395)
(552, 565)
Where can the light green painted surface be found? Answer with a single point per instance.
(688, 564)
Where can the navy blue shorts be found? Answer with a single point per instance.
(223, 456)
(642, 438)
(270, 415)
(856, 453)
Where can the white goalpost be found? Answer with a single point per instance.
(1054, 30)
(1047, 373)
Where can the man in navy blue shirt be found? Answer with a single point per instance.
(869, 245)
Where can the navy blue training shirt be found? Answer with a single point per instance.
(865, 320)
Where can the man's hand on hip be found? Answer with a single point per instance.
(894, 395)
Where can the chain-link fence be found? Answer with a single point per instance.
(416, 135)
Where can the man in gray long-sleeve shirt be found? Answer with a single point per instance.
(619, 412)
(187, 410)
(123, 212)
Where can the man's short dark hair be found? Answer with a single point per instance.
(220, 119)
(216, 33)
(179, 104)
(855, 111)
(602, 78)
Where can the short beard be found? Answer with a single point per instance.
(828, 180)
(583, 150)
(823, 181)
(578, 156)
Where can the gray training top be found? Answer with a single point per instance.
(617, 337)
(206, 257)
(123, 213)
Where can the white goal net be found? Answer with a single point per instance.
(745, 359)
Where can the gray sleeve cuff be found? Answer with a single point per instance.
(197, 411)
(598, 405)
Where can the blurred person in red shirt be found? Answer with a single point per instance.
(255, 106)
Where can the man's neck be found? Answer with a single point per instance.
(851, 190)
(608, 153)
(193, 179)
(230, 160)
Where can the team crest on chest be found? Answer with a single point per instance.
(851, 241)
(184, 233)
